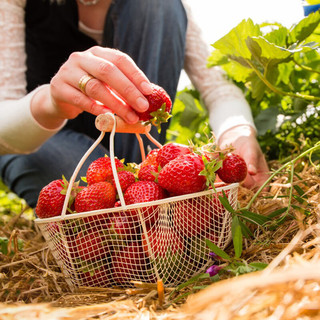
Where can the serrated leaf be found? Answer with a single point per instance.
(234, 44)
(304, 28)
(266, 52)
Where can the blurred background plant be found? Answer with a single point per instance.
(278, 70)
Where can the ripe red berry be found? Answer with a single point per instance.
(159, 107)
(234, 169)
(126, 179)
(51, 199)
(144, 191)
(170, 151)
(148, 173)
(101, 170)
(181, 175)
(91, 246)
(101, 195)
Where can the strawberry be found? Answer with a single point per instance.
(166, 250)
(170, 151)
(122, 226)
(159, 107)
(101, 170)
(233, 169)
(148, 173)
(162, 244)
(100, 195)
(144, 191)
(181, 175)
(91, 246)
(196, 216)
(126, 179)
(130, 264)
(151, 158)
(51, 199)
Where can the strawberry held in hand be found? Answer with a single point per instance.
(159, 107)
(234, 169)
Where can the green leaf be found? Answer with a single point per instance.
(254, 217)
(267, 120)
(304, 28)
(237, 241)
(258, 265)
(267, 53)
(225, 202)
(234, 44)
(277, 212)
(219, 252)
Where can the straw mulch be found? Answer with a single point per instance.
(32, 286)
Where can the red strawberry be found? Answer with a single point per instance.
(162, 244)
(151, 158)
(181, 175)
(92, 246)
(101, 170)
(51, 199)
(234, 169)
(197, 216)
(101, 195)
(148, 173)
(122, 226)
(130, 264)
(170, 151)
(159, 107)
(144, 191)
(126, 179)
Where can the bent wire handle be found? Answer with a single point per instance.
(109, 122)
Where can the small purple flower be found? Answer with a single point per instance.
(213, 255)
(213, 270)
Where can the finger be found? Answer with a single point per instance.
(109, 73)
(95, 90)
(71, 96)
(127, 66)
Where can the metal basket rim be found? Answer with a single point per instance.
(136, 205)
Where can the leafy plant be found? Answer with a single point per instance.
(278, 70)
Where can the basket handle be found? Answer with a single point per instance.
(109, 122)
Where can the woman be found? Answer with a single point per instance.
(59, 59)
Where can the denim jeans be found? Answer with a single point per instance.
(152, 32)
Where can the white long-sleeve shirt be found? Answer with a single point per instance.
(21, 133)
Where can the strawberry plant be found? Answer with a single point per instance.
(278, 70)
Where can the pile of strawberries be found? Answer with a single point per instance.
(113, 245)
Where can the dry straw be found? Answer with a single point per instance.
(33, 287)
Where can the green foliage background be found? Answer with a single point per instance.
(278, 69)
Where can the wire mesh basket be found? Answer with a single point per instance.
(163, 239)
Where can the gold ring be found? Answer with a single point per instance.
(83, 82)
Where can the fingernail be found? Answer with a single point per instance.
(132, 117)
(142, 104)
(146, 87)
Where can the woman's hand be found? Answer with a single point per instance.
(243, 139)
(117, 85)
